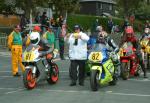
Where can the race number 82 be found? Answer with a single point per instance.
(95, 56)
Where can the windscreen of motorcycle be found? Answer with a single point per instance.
(30, 54)
(98, 53)
(127, 48)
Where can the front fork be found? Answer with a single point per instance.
(99, 69)
(33, 68)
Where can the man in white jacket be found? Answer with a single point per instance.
(78, 55)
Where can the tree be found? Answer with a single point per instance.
(63, 6)
(128, 6)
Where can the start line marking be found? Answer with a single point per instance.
(107, 92)
(73, 91)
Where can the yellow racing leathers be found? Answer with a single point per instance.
(15, 44)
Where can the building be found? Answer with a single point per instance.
(97, 7)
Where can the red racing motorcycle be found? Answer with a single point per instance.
(129, 62)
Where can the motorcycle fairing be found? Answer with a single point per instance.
(108, 68)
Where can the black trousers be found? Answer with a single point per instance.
(61, 47)
(141, 62)
(76, 72)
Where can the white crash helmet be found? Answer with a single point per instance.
(34, 38)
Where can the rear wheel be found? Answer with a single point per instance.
(125, 70)
(28, 79)
(94, 80)
(53, 74)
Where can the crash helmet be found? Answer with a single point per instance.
(129, 31)
(99, 28)
(34, 38)
(147, 30)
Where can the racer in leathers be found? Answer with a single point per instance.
(103, 38)
(146, 33)
(34, 39)
(129, 36)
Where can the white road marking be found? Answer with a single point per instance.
(8, 88)
(126, 94)
(140, 80)
(75, 91)
(5, 54)
(107, 92)
(6, 76)
(18, 90)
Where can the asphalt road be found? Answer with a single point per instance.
(134, 90)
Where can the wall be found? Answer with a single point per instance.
(9, 20)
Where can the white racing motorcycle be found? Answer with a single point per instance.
(38, 68)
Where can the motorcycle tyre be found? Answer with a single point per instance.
(28, 80)
(124, 71)
(52, 79)
(93, 80)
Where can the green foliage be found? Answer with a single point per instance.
(87, 21)
(128, 6)
(63, 6)
(143, 12)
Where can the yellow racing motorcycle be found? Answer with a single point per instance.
(102, 69)
(145, 44)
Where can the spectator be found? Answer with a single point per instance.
(110, 24)
(15, 45)
(78, 55)
(50, 37)
(95, 24)
(23, 22)
(44, 21)
(132, 19)
(126, 23)
(61, 20)
(52, 22)
(61, 41)
(147, 24)
(37, 18)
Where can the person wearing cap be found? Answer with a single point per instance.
(37, 29)
(50, 37)
(129, 36)
(15, 45)
(77, 54)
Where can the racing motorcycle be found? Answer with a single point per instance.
(102, 69)
(38, 68)
(145, 44)
(129, 62)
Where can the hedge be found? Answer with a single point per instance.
(87, 21)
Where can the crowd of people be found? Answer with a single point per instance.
(79, 43)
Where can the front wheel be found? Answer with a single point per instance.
(125, 70)
(53, 74)
(94, 80)
(28, 79)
